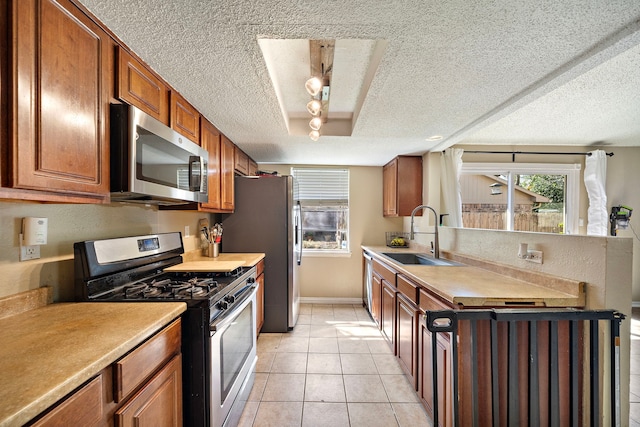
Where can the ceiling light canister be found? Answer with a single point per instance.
(314, 106)
(315, 123)
(313, 86)
(314, 135)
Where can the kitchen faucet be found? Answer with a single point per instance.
(436, 244)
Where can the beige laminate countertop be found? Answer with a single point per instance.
(472, 286)
(48, 352)
(248, 259)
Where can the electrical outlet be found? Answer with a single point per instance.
(534, 256)
(187, 231)
(29, 252)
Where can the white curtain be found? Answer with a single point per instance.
(450, 166)
(595, 175)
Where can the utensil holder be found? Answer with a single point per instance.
(213, 250)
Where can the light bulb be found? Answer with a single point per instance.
(315, 123)
(314, 106)
(313, 86)
(314, 135)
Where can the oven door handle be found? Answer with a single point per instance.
(223, 322)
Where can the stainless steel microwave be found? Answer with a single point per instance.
(153, 164)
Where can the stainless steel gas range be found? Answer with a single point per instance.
(221, 307)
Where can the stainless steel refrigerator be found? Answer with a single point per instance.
(267, 219)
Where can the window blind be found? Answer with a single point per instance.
(326, 186)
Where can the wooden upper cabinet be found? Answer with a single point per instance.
(184, 118)
(227, 160)
(142, 88)
(210, 141)
(63, 65)
(402, 186)
(241, 162)
(253, 168)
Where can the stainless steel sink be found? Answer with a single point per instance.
(419, 259)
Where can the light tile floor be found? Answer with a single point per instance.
(334, 369)
(634, 388)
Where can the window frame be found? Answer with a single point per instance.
(338, 252)
(572, 195)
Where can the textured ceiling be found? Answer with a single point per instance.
(484, 71)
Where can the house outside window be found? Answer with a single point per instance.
(521, 197)
(324, 201)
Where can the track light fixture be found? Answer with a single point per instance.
(318, 86)
(313, 86)
(314, 106)
(315, 123)
(314, 135)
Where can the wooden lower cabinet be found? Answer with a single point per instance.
(158, 403)
(442, 352)
(260, 297)
(82, 408)
(388, 313)
(408, 316)
(142, 389)
(399, 308)
(376, 298)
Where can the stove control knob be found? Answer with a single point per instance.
(230, 299)
(251, 280)
(223, 305)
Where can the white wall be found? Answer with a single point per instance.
(623, 176)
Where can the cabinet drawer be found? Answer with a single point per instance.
(385, 272)
(134, 368)
(430, 302)
(159, 402)
(82, 408)
(408, 288)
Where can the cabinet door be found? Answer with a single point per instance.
(226, 174)
(63, 65)
(402, 185)
(388, 315)
(407, 337)
(376, 298)
(253, 168)
(425, 371)
(241, 162)
(210, 141)
(158, 403)
(140, 87)
(184, 118)
(389, 188)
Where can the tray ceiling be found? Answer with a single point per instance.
(481, 72)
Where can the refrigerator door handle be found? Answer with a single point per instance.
(298, 232)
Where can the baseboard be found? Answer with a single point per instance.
(320, 300)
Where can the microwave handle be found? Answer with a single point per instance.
(199, 185)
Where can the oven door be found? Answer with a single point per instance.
(233, 360)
